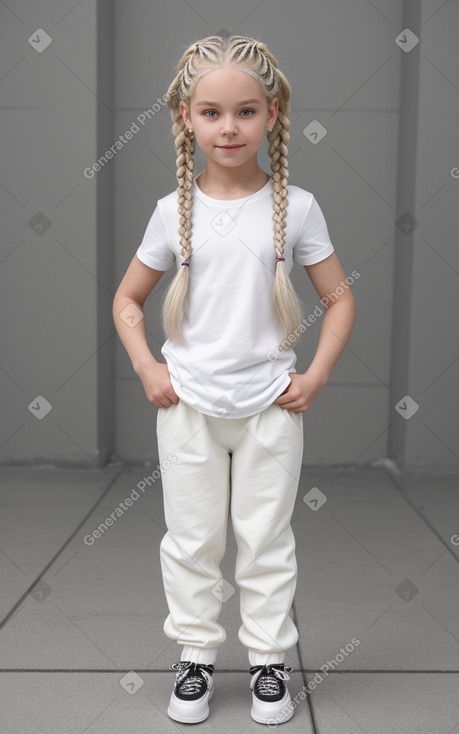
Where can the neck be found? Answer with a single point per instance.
(227, 182)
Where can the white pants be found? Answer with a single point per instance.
(248, 467)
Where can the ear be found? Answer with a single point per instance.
(185, 114)
(272, 113)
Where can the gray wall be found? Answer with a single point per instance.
(391, 119)
(56, 262)
(425, 343)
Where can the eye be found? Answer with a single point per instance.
(249, 111)
(212, 113)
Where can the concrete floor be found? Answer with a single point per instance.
(82, 647)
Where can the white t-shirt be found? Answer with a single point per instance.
(227, 368)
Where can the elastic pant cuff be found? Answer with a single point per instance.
(205, 655)
(265, 658)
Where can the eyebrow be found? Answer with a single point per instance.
(215, 104)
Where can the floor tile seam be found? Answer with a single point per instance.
(305, 671)
(418, 512)
(67, 542)
(312, 713)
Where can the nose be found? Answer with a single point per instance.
(229, 126)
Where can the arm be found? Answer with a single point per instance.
(334, 333)
(138, 281)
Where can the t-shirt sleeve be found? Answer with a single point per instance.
(313, 243)
(155, 250)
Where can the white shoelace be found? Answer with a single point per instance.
(193, 683)
(267, 685)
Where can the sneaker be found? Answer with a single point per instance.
(193, 689)
(271, 702)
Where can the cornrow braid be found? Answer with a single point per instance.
(182, 89)
(255, 58)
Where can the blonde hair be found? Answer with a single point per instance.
(255, 58)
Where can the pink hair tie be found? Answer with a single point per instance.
(280, 259)
(185, 263)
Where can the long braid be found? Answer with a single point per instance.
(185, 166)
(255, 58)
(286, 301)
(175, 297)
(181, 89)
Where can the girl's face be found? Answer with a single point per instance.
(229, 115)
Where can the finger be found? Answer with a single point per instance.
(281, 402)
(284, 397)
(170, 394)
(288, 406)
(163, 402)
(291, 397)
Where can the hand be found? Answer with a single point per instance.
(301, 393)
(157, 384)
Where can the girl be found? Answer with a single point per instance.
(229, 399)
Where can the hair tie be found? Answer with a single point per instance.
(280, 259)
(185, 263)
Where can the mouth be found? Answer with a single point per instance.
(229, 147)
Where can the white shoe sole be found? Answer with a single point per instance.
(276, 712)
(190, 712)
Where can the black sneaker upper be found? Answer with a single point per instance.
(192, 679)
(270, 685)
